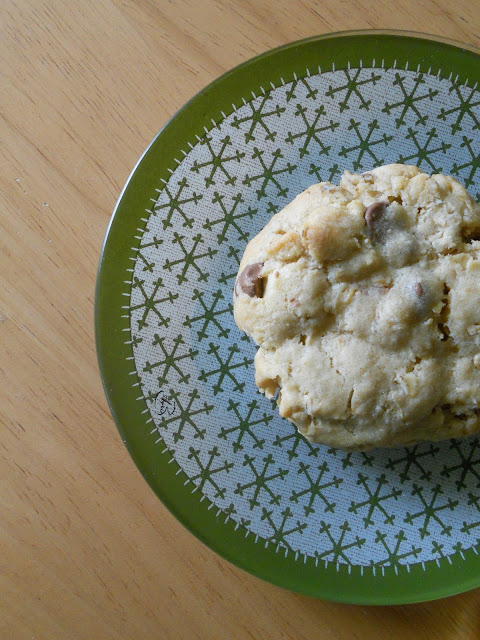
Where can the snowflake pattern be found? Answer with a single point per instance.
(381, 509)
(308, 91)
(245, 426)
(210, 315)
(184, 417)
(472, 165)
(423, 150)
(169, 361)
(354, 80)
(411, 462)
(233, 257)
(469, 526)
(468, 106)
(207, 471)
(148, 264)
(431, 509)
(280, 532)
(261, 480)
(230, 218)
(226, 368)
(365, 144)
(170, 203)
(467, 463)
(317, 171)
(295, 441)
(150, 303)
(258, 118)
(394, 557)
(316, 488)
(312, 131)
(270, 173)
(189, 258)
(217, 161)
(375, 499)
(337, 550)
(411, 100)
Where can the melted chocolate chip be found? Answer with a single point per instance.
(372, 216)
(250, 281)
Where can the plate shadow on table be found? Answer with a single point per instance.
(448, 618)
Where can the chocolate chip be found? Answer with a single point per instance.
(372, 216)
(250, 281)
(418, 290)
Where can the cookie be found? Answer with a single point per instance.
(364, 299)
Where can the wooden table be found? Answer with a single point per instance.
(86, 549)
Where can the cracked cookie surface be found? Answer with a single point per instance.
(364, 301)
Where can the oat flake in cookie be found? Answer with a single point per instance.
(364, 301)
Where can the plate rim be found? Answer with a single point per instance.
(375, 592)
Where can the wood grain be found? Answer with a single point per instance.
(86, 549)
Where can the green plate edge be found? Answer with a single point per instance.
(448, 576)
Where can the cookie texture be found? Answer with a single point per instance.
(364, 301)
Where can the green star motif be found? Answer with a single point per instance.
(245, 426)
(468, 106)
(218, 161)
(424, 150)
(411, 461)
(375, 499)
(311, 131)
(270, 173)
(295, 440)
(226, 368)
(183, 416)
(170, 360)
(135, 341)
(262, 476)
(431, 510)
(437, 549)
(230, 511)
(280, 532)
(473, 164)
(258, 118)
(366, 144)
(316, 171)
(301, 83)
(410, 100)
(150, 303)
(315, 488)
(467, 527)
(395, 555)
(352, 88)
(174, 203)
(207, 471)
(337, 546)
(230, 217)
(233, 254)
(467, 463)
(367, 459)
(211, 314)
(147, 265)
(190, 258)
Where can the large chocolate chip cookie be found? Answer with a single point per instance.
(364, 299)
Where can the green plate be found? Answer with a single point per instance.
(390, 526)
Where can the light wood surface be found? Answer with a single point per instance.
(86, 549)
